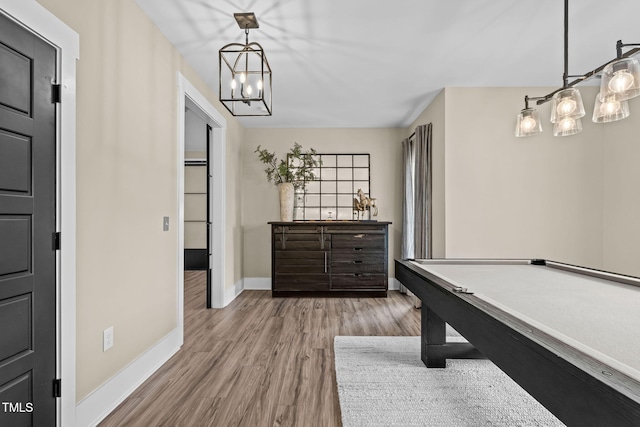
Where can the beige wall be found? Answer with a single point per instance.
(570, 199)
(621, 153)
(511, 197)
(127, 165)
(260, 199)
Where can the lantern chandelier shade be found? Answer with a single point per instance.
(245, 82)
(620, 82)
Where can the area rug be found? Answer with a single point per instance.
(382, 382)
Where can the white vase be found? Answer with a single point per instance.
(285, 190)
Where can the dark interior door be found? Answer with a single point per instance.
(27, 226)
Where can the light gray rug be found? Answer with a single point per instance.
(383, 382)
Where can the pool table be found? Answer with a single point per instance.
(568, 335)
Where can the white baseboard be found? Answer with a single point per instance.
(394, 284)
(257, 283)
(95, 407)
(232, 293)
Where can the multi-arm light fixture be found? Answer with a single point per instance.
(620, 82)
(245, 75)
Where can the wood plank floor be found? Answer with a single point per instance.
(260, 361)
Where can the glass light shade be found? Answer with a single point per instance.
(567, 126)
(528, 123)
(609, 109)
(621, 78)
(567, 103)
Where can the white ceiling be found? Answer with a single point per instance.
(379, 63)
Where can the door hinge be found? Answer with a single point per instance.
(57, 387)
(56, 93)
(56, 241)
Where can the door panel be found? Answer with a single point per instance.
(27, 224)
(15, 174)
(17, 69)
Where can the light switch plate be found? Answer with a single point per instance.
(107, 339)
(165, 223)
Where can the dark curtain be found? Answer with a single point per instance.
(416, 213)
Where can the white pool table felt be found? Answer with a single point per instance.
(599, 317)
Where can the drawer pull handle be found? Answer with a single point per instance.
(358, 236)
(357, 261)
(357, 249)
(357, 274)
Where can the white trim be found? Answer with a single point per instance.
(233, 292)
(257, 283)
(95, 407)
(218, 194)
(394, 284)
(40, 21)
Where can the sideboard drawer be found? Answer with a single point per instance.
(301, 282)
(359, 241)
(301, 241)
(359, 281)
(301, 262)
(358, 262)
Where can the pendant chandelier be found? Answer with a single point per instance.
(620, 82)
(245, 75)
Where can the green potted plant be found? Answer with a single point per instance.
(289, 174)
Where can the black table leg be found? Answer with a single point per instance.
(433, 334)
(435, 350)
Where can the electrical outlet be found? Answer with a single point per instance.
(107, 339)
(165, 223)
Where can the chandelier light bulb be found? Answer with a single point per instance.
(566, 106)
(527, 124)
(621, 81)
(249, 90)
(259, 84)
(610, 107)
(567, 123)
(567, 126)
(243, 77)
(233, 84)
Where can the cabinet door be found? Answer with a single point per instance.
(301, 271)
(301, 258)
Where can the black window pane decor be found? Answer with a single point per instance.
(330, 196)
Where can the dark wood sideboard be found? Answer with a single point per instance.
(329, 258)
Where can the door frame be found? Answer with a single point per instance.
(217, 161)
(38, 20)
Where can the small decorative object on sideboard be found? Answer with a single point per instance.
(289, 174)
(364, 204)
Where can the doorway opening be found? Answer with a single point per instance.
(197, 193)
(210, 151)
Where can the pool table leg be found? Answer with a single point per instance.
(434, 347)
(433, 334)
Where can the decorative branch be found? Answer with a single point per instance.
(298, 167)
